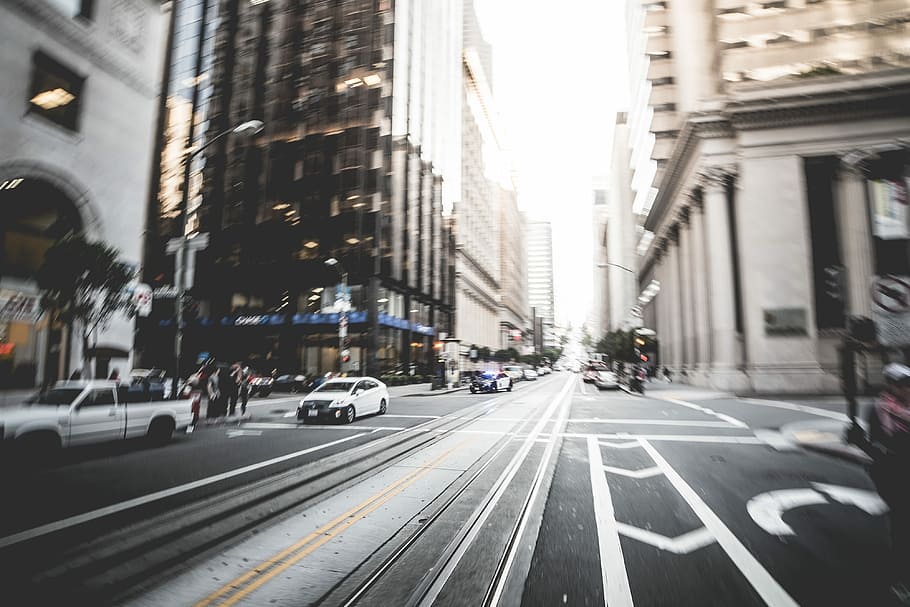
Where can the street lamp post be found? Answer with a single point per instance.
(182, 242)
(343, 312)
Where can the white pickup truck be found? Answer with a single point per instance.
(80, 412)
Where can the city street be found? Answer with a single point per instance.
(556, 493)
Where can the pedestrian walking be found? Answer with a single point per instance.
(229, 389)
(246, 374)
(889, 436)
(215, 395)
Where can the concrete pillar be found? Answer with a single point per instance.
(720, 270)
(855, 232)
(687, 295)
(701, 300)
(674, 303)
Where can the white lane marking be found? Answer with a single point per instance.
(683, 544)
(615, 578)
(30, 534)
(280, 426)
(412, 416)
(654, 422)
(684, 438)
(619, 445)
(767, 509)
(867, 501)
(642, 473)
(766, 586)
(706, 411)
(776, 440)
(236, 433)
(794, 407)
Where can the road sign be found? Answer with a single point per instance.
(891, 309)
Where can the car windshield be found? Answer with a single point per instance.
(56, 396)
(338, 386)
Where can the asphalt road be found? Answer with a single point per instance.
(681, 497)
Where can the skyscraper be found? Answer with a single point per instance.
(358, 161)
(540, 277)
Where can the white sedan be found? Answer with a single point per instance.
(343, 399)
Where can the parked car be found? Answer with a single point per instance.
(292, 383)
(530, 374)
(261, 385)
(491, 382)
(82, 412)
(514, 371)
(343, 399)
(606, 380)
(544, 370)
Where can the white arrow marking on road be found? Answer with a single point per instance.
(868, 501)
(767, 509)
(619, 445)
(683, 544)
(643, 473)
(236, 433)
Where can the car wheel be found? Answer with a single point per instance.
(382, 407)
(509, 389)
(473, 390)
(161, 431)
(349, 414)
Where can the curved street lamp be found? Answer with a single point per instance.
(244, 129)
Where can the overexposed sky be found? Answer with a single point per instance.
(559, 76)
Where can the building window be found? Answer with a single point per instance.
(662, 81)
(665, 107)
(75, 8)
(55, 92)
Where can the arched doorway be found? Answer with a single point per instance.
(36, 213)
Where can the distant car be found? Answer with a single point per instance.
(292, 383)
(544, 370)
(491, 382)
(530, 374)
(343, 399)
(261, 385)
(589, 375)
(514, 371)
(606, 380)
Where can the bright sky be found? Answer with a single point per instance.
(559, 77)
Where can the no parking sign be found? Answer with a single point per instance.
(891, 309)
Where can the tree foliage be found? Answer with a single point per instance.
(617, 345)
(82, 283)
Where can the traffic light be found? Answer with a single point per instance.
(643, 357)
(834, 282)
(639, 341)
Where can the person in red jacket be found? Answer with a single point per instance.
(889, 435)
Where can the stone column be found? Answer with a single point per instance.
(700, 285)
(720, 270)
(661, 301)
(674, 301)
(687, 294)
(854, 231)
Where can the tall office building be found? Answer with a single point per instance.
(81, 79)
(513, 311)
(781, 147)
(598, 321)
(479, 231)
(359, 161)
(540, 279)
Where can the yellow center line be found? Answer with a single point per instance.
(274, 565)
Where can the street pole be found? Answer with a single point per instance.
(251, 127)
(344, 303)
